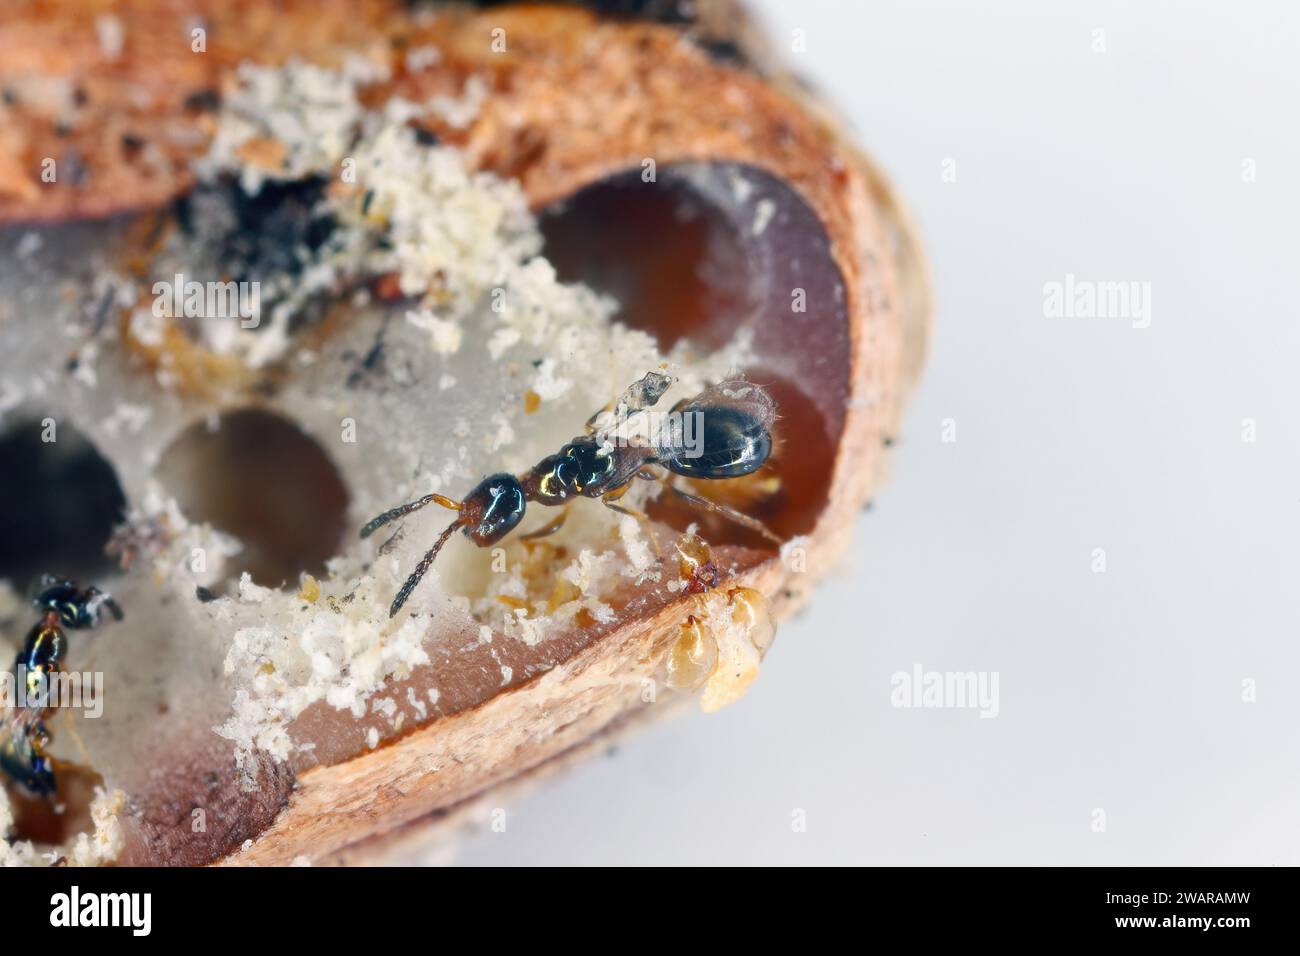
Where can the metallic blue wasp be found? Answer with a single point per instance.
(23, 736)
(724, 432)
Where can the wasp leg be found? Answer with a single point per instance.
(752, 523)
(374, 524)
(70, 724)
(97, 598)
(590, 427)
(610, 501)
(421, 568)
(552, 526)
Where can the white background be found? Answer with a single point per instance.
(1120, 691)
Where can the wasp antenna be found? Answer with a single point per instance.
(421, 568)
(47, 581)
(377, 522)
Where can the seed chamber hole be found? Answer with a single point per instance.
(59, 502)
(260, 478)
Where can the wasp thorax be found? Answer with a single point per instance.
(552, 482)
(592, 464)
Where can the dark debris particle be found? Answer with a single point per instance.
(366, 366)
(270, 230)
(425, 137)
(99, 315)
(373, 361)
(722, 51)
(204, 101)
(74, 168)
(204, 594)
(656, 11)
(704, 578)
(680, 13)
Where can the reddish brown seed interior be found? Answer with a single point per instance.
(688, 259)
(40, 820)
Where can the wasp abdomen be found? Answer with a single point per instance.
(731, 443)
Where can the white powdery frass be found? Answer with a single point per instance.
(635, 545)
(451, 234)
(466, 246)
(459, 112)
(105, 842)
(311, 111)
(445, 335)
(102, 845)
(298, 657)
(20, 853)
